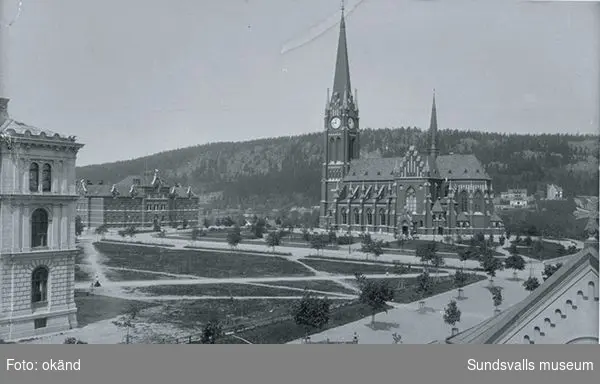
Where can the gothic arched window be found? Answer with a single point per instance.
(39, 285)
(464, 202)
(34, 177)
(411, 200)
(46, 178)
(478, 202)
(332, 151)
(39, 228)
(338, 149)
(344, 216)
(369, 217)
(382, 216)
(356, 216)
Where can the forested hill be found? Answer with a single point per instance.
(286, 171)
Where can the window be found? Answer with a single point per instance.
(382, 216)
(356, 216)
(411, 200)
(369, 217)
(344, 216)
(477, 202)
(46, 178)
(464, 202)
(34, 177)
(40, 323)
(39, 228)
(39, 285)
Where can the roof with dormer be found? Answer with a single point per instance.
(498, 328)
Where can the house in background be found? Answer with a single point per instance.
(554, 192)
(139, 201)
(515, 198)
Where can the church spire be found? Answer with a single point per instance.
(433, 139)
(341, 81)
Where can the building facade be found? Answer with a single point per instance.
(562, 310)
(554, 192)
(139, 201)
(37, 236)
(422, 192)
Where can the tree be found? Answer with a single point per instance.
(516, 263)
(528, 241)
(513, 250)
(452, 314)
(491, 265)
(550, 269)
(130, 231)
(491, 239)
(375, 294)
(317, 242)
(127, 321)
(531, 284)
(258, 227)
(211, 332)
(496, 296)
(195, 234)
(332, 237)
(273, 240)
(311, 312)
(436, 261)
(101, 230)
(465, 254)
(185, 223)
(234, 237)
(78, 226)
(502, 240)
(460, 279)
(156, 226)
(424, 284)
(377, 248)
(305, 235)
(205, 223)
(426, 252)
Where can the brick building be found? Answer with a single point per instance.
(139, 201)
(422, 192)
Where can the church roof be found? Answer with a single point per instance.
(495, 217)
(462, 217)
(496, 328)
(372, 169)
(461, 167)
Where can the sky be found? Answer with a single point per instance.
(132, 78)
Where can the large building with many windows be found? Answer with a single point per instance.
(422, 192)
(37, 236)
(139, 201)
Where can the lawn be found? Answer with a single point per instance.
(549, 251)
(287, 330)
(342, 268)
(191, 314)
(409, 293)
(413, 244)
(125, 275)
(224, 290)
(198, 262)
(316, 285)
(92, 308)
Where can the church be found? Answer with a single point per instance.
(421, 193)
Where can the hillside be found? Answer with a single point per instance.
(286, 171)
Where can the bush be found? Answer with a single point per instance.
(73, 340)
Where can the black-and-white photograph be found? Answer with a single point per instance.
(299, 172)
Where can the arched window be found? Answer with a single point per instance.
(352, 148)
(39, 285)
(464, 201)
(46, 178)
(369, 217)
(411, 200)
(382, 216)
(332, 151)
(34, 177)
(338, 149)
(39, 228)
(356, 216)
(344, 216)
(478, 202)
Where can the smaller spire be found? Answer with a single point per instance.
(342, 8)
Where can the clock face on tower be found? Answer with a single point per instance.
(336, 122)
(350, 123)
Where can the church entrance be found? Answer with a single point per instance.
(405, 228)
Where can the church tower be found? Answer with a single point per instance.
(341, 136)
